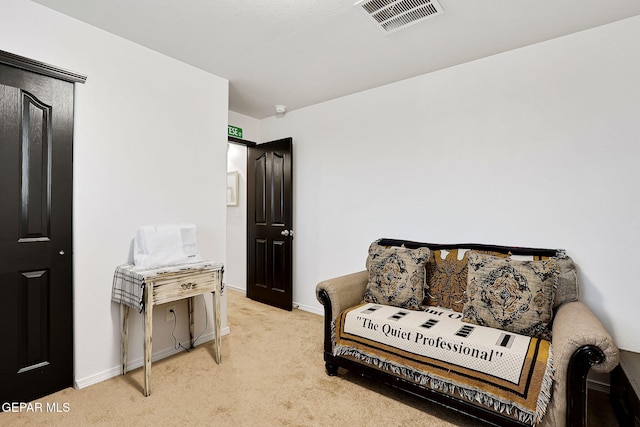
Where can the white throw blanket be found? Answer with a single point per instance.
(438, 333)
(509, 373)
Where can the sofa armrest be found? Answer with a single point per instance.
(343, 292)
(580, 343)
(336, 295)
(576, 326)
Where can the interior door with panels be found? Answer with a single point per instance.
(36, 175)
(270, 223)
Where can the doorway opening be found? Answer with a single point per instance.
(260, 220)
(236, 263)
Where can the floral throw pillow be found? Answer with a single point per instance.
(447, 277)
(396, 276)
(512, 295)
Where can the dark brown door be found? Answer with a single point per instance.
(36, 316)
(270, 223)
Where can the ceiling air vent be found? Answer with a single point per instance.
(394, 15)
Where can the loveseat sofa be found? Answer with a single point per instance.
(383, 322)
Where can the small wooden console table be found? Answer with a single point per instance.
(142, 289)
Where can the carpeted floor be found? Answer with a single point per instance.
(272, 374)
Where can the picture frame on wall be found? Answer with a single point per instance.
(232, 188)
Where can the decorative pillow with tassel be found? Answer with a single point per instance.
(512, 295)
(396, 276)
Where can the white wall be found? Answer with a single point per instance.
(236, 266)
(149, 147)
(235, 271)
(533, 147)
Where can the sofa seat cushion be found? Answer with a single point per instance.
(509, 373)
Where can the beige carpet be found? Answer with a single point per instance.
(272, 374)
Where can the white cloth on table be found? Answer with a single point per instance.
(129, 281)
(165, 244)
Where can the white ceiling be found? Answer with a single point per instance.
(302, 52)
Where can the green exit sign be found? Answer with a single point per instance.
(234, 131)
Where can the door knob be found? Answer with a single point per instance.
(284, 233)
(61, 252)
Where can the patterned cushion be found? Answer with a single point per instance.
(567, 282)
(567, 289)
(447, 278)
(509, 294)
(396, 276)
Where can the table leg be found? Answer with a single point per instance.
(124, 336)
(191, 328)
(216, 324)
(148, 329)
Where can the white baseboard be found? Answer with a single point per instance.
(235, 288)
(310, 309)
(137, 363)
